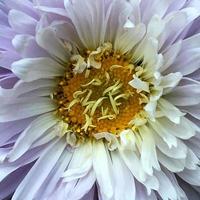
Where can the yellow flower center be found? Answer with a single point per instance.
(98, 99)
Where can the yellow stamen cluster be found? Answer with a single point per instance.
(98, 99)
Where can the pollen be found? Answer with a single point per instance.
(94, 95)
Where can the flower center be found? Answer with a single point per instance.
(95, 95)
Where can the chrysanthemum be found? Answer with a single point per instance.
(100, 99)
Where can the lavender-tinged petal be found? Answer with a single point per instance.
(3, 18)
(31, 134)
(27, 47)
(6, 32)
(26, 7)
(48, 40)
(92, 194)
(50, 184)
(21, 22)
(7, 58)
(9, 185)
(23, 108)
(30, 69)
(10, 129)
(185, 95)
(83, 186)
(193, 110)
(37, 175)
(8, 82)
(9, 167)
(191, 176)
(6, 44)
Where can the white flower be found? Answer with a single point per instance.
(104, 99)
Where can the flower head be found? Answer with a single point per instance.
(99, 98)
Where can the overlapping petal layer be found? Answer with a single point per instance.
(159, 159)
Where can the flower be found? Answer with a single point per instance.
(100, 99)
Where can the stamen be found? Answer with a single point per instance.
(88, 123)
(110, 117)
(79, 93)
(107, 78)
(94, 81)
(84, 103)
(112, 88)
(124, 96)
(115, 67)
(97, 103)
(89, 106)
(113, 103)
(72, 103)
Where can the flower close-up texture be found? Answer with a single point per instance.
(100, 99)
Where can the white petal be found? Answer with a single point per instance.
(189, 58)
(30, 69)
(164, 133)
(179, 191)
(170, 55)
(150, 108)
(191, 176)
(155, 26)
(127, 140)
(185, 130)
(148, 150)
(173, 29)
(47, 39)
(139, 84)
(127, 41)
(51, 182)
(170, 111)
(38, 127)
(192, 160)
(174, 165)
(57, 11)
(193, 144)
(193, 110)
(26, 6)
(166, 189)
(9, 185)
(59, 193)
(3, 153)
(124, 180)
(178, 152)
(80, 164)
(7, 168)
(103, 170)
(170, 81)
(44, 139)
(147, 51)
(153, 7)
(89, 23)
(191, 42)
(39, 172)
(23, 88)
(141, 193)
(129, 156)
(21, 22)
(27, 47)
(67, 31)
(112, 142)
(10, 129)
(185, 95)
(83, 186)
(25, 108)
